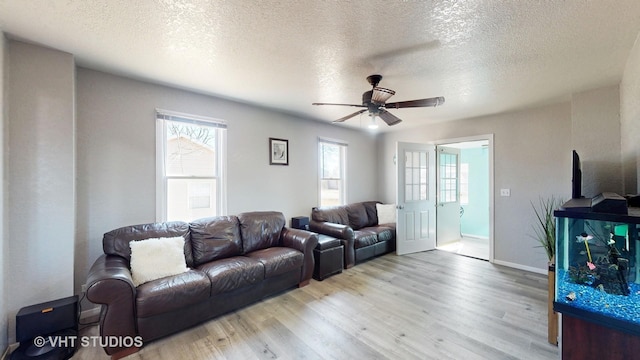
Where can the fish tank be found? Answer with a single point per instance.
(597, 274)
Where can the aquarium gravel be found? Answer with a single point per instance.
(621, 307)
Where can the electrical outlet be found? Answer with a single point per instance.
(83, 288)
(505, 192)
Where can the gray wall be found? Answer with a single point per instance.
(116, 157)
(630, 120)
(595, 135)
(41, 174)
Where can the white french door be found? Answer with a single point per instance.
(415, 198)
(448, 223)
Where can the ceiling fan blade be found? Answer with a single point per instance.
(338, 104)
(389, 118)
(350, 116)
(435, 101)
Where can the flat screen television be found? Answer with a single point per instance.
(576, 177)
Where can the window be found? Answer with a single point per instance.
(190, 165)
(464, 184)
(332, 160)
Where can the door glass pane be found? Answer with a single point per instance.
(416, 175)
(448, 177)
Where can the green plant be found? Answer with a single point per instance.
(545, 228)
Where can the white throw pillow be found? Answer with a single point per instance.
(386, 213)
(155, 258)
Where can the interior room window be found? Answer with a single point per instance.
(191, 163)
(464, 184)
(332, 159)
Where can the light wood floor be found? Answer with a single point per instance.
(469, 246)
(430, 305)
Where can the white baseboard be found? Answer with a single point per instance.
(474, 236)
(521, 267)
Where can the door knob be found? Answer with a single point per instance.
(399, 207)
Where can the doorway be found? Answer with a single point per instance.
(465, 197)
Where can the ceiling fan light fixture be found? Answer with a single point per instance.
(373, 124)
(381, 95)
(375, 102)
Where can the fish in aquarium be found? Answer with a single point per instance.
(607, 273)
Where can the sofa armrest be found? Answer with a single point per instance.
(109, 283)
(343, 232)
(305, 242)
(332, 229)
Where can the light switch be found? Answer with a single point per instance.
(505, 192)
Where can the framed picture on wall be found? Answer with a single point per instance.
(278, 151)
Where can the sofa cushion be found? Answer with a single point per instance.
(333, 214)
(384, 233)
(372, 214)
(386, 213)
(278, 260)
(364, 238)
(232, 273)
(215, 238)
(260, 229)
(152, 259)
(116, 242)
(172, 293)
(357, 216)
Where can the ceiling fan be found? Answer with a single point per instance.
(375, 102)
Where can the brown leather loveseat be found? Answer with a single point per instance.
(356, 225)
(232, 261)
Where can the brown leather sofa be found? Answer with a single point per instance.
(233, 261)
(356, 225)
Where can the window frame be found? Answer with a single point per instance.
(342, 194)
(162, 179)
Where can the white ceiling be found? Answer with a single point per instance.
(484, 57)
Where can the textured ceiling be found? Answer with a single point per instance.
(484, 57)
